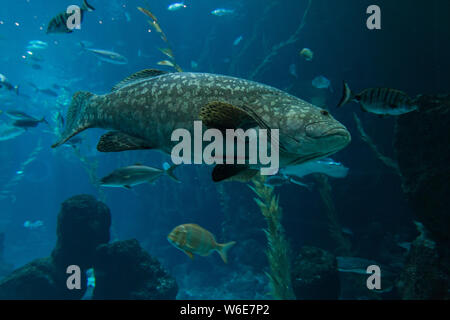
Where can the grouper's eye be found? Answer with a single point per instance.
(324, 112)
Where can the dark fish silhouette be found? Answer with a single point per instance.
(381, 101)
(4, 83)
(59, 23)
(28, 123)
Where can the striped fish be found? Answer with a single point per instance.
(382, 101)
(59, 23)
(191, 238)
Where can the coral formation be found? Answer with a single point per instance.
(315, 275)
(124, 270)
(277, 247)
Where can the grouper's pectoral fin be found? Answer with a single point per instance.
(233, 172)
(220, 115)
(116, 141)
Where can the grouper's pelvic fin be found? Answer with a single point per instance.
(347, 95)
(77, 119)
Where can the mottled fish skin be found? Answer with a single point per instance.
(153, 108)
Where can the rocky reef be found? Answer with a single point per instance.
(426, 272)
(315, 275)
(423, 153)
(5, 267)
(125, 271)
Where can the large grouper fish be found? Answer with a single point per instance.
(144, 109)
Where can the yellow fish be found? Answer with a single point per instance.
(166, 63)
(307, 54)
(191, 238)
(167, 51)
(147, 13)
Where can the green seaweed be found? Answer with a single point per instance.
(277, 247)
(343, 245)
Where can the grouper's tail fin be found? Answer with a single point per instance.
(77, 119)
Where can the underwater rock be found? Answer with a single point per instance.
(423, 153)
(35, 280)
(83, 224)
(315, 275)
(426, 271)
(123, 270)
(2, 245)
(5, 268)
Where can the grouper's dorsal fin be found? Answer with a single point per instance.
(115, 141)
(221, 115)
(143, 74)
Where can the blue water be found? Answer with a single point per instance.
(401, 55)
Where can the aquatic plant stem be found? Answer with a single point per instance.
(6, 190)
(386, 160)
(277, 245)
(343, 245)
(275, 49)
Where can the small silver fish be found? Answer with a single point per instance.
(222, 12)
(18, 115)
(381, 101)
(321, 82)
(176, 6)
(8, 132)
(106, 56)
(325, 166)
(238, 40)
(37, 45)
(130, 176)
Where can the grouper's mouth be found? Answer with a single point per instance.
(335, 139)
(337, 131)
